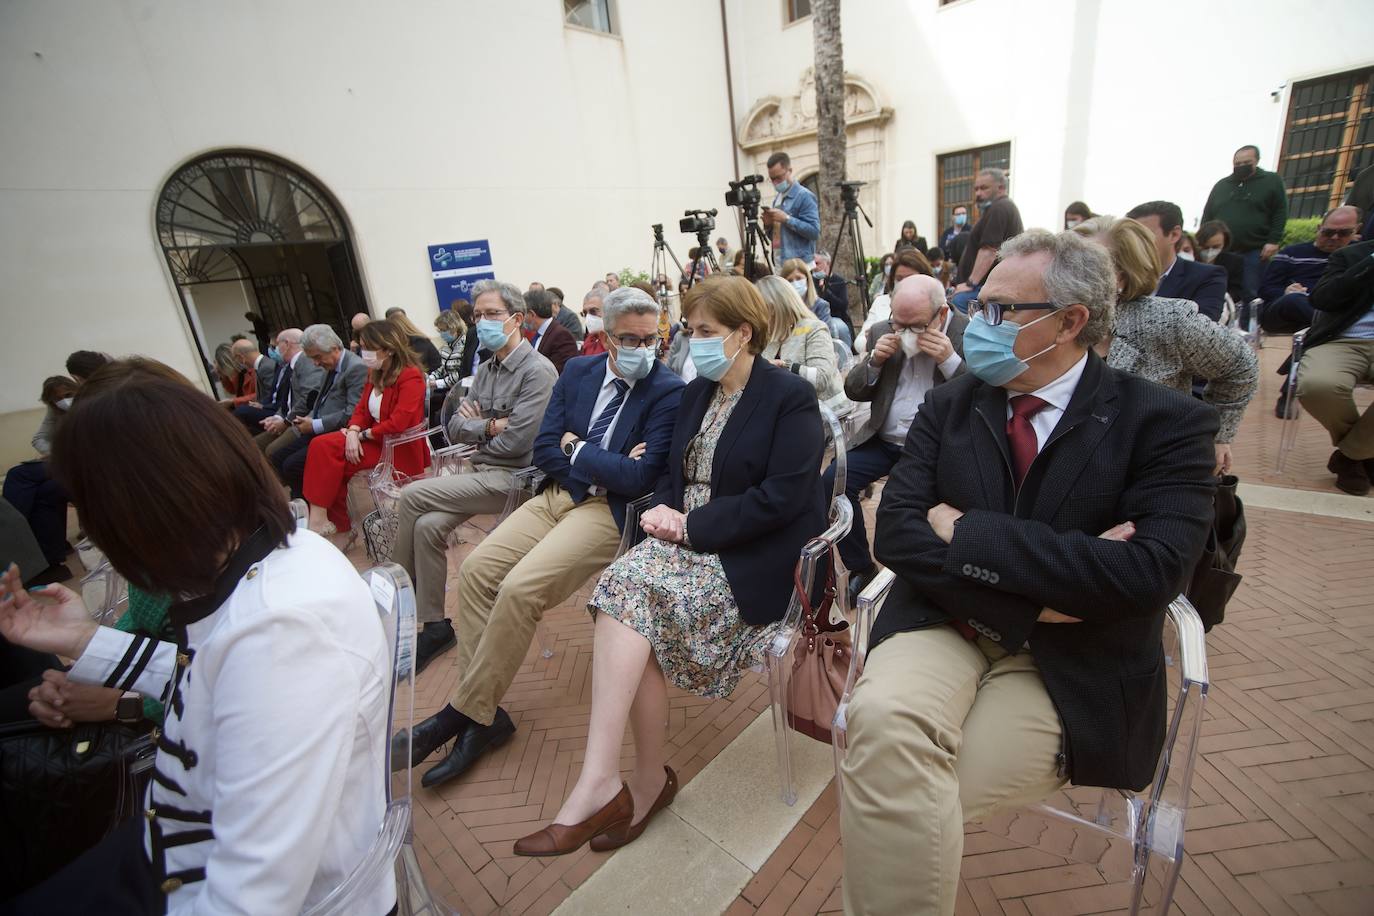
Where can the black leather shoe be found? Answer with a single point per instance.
(1350, 474)
(1291, 411)
(469, 748)
(424, 740)
(435, 638)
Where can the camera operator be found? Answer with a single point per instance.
(794, 220)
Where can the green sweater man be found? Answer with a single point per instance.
(1252, 202)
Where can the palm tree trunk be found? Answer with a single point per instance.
(830, 135)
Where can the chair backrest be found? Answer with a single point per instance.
(383, 480)
(104, 593)
(834, 441)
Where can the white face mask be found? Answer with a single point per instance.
(1186, 255)
(1210, 254)
(800, 287)
(371, 358)
(595, 324)
(1070, 223)
(64, 404)
(911, 343)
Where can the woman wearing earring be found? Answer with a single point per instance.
(698, 601)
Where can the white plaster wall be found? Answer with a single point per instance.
(220, 307)
(431, 122)
(1099, 98)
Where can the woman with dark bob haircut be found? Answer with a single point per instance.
(268, 787)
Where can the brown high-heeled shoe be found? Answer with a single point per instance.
(561, 839)
(629, 832)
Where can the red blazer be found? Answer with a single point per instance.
(247, 381)
(594, 344)
(403, 406)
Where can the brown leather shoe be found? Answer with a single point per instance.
(561, 839)
(628, 832)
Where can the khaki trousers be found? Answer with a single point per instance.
(269, 443)
(427, 513)
(1326, 384)
(535, 559)
(941, 731)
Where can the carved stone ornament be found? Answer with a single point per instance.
(773, 121)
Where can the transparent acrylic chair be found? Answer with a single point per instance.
(105, 594)
(385, 483)
(1135, 836)
(391, 857)
(778, 656)
(1292, 407)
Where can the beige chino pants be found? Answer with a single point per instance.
(534, 560)
(1326, 388)
(941, 731)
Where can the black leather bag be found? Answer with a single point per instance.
(1214, 578)
(62, 790)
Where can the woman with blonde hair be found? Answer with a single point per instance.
(797, 341)
(796, 273)
(1166, 340)
(393, 401)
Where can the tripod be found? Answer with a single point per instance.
(849, 193)
(703, 251)
(658, 263)
(755, 236)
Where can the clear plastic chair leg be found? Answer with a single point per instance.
(779, 672)
(545, 643)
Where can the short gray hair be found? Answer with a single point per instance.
(320, 338)
(820, 253)
(628, 300)
(1080, 273)
(998, 176)
(596, 293)
(510, 294)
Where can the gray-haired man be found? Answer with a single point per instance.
(339, 391)
(500, 415)
(301, 378)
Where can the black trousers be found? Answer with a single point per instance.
(112, 878)
(289, 460)
(866, 464)
(43, 503)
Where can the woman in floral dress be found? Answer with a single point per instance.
(697, 602)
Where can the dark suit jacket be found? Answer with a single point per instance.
(306, 377)
(882, 392)
(1204, 284)
(767, 500)
(558, 345)
(1344, 293)
(647, 416)
(266, 372)
(346, 383)
(1126, 449)
(835, 290)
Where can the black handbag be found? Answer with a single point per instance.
(1214, 578)
(62, 790)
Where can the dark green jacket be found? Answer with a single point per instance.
(147, 613)
(1255, 209)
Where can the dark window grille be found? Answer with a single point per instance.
(955, 174)
(1327, 141)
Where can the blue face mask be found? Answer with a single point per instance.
(990, 351)
(448, 336)
(960, 219)
(491, 333)
(274, 354)
(635, 364)
(782, 186)
(708, 355)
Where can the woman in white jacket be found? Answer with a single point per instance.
(268, 786)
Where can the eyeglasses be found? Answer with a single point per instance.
(630, 342)
(993, 312)
(1337, 233)
(493, 316)
(918, 328)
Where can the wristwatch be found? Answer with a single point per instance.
(570, 446)
(129, 708)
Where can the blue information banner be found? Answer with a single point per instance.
(455, 267)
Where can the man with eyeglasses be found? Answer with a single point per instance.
(1293, 273)
(500, 415)
(1045, 510)
(920, 347)
(604, 440)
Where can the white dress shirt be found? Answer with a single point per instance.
(1056, 395)
(917, 377)
(603, 397)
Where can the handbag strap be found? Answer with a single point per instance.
(812, 621)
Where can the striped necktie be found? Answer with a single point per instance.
(607, 417)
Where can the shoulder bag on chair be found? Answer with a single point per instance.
(1214, 578)
(821, 661)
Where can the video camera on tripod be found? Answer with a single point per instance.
(697, 222)
(745, 194)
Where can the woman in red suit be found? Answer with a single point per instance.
(393, 401)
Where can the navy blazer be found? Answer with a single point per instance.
(767, 499)
(647, 416)
(1204, 284)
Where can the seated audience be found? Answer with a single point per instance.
(603, 441)
(564, 315)
(357, 323)
(303, 379)
(1338, 355)
(1292, 274)
(1167, 340)
(500, 415)
(595, 341)
(1214, 247)
(1076, 213)
(334, 403)
(274, 397)
(260, 372)
(229, 373)
(919, 348)
(1187, 247)
(29, 487)
(795, 272)
(699, 601)
(955, 238)
(879, 281)
(426, 354)
(547, 336)
(909, 263)
(269, 787)
(940, 267)
(1036, 550)
(834, 289)
(1180, 278)
(392, 402)
(452, 331)
(796, 340)
(910, 238)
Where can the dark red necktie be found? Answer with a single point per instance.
(1021, 435)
